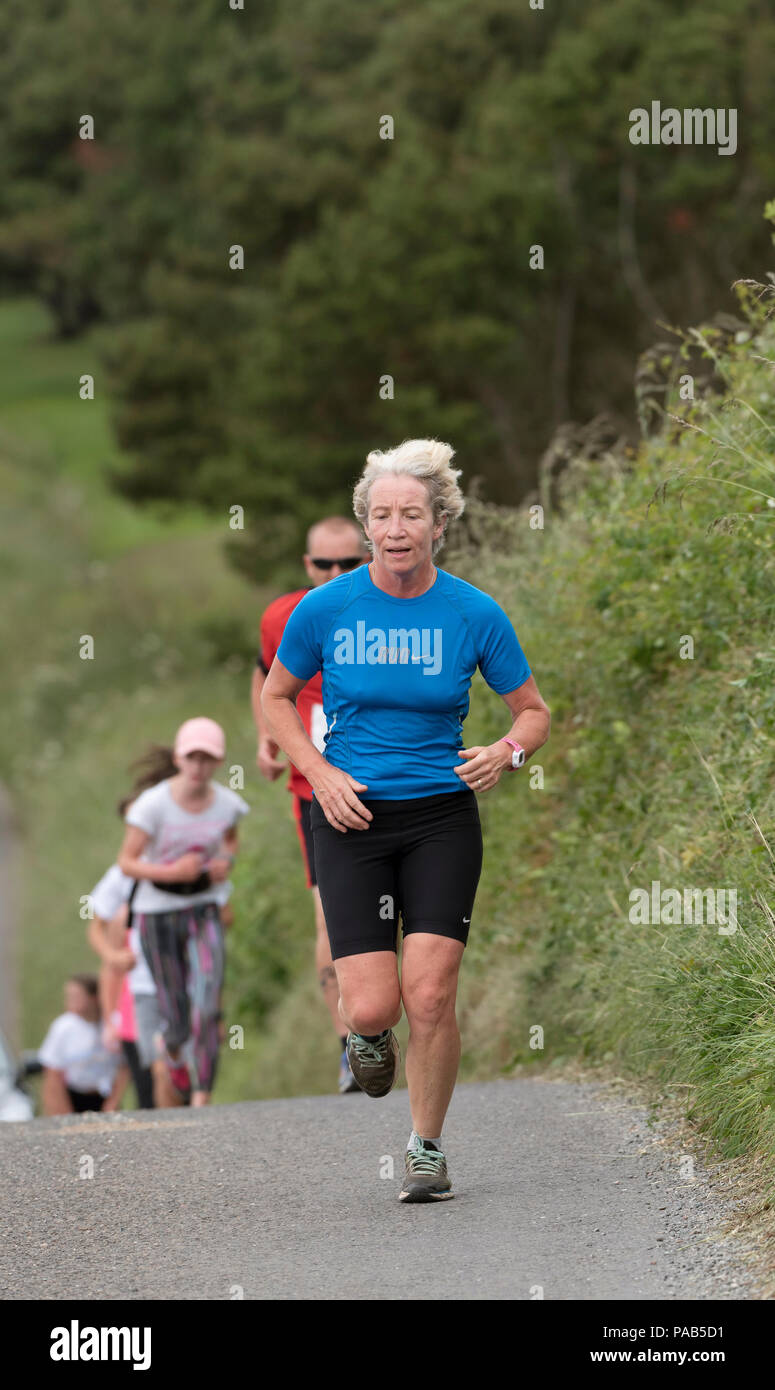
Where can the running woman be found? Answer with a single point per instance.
(398, 642)
(180, 843)
(334, 546)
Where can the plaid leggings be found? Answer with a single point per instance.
(185, 954)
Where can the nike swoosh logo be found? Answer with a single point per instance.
(466, 919)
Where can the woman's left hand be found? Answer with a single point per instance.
(484, 765)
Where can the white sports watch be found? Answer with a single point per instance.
(518, 754)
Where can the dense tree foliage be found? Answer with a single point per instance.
(367, 257)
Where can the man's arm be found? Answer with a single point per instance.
(267, 761)
(256, 687)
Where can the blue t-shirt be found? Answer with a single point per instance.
(396, 675)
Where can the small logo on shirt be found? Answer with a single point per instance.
(466, 919)
(398, 646)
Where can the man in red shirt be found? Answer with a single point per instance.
(334, 546)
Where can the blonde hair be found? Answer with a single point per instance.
(425, 459)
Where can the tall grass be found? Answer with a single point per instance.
(659, 767)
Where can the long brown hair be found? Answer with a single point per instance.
(154, 765)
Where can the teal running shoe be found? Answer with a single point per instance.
(425, 1176)
(374, 1064)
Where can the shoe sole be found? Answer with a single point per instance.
(424, 1196)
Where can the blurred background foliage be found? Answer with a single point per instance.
(363, 256)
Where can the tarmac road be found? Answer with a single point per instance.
(561, 1193)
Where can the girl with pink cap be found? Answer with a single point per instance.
(180, 844)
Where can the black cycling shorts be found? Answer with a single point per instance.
(420, 858)
(301, 810)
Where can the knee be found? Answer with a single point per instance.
(373, 1015)
(429, 1005)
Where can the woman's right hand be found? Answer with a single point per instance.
(186, 869)
(336, 792)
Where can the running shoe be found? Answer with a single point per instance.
(181, 1080)
(178, 1071)
(347, 1081)
(425, 1176)
(374, 1065)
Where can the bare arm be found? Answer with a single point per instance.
(116, 962)
(107, 939)
(96, 936)
(220, 866)
(334, 789)
(532, 718)
(256, 686)
(267, 761)
(531, 721)
(188, 867)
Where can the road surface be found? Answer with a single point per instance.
(561, 1193)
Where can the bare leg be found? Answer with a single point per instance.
(429, 988)
(324, 965)
(370, 996)
(164, 1093)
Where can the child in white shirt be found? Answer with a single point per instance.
(79, 1073)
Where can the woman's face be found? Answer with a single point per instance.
(197, 768)
(400, 523)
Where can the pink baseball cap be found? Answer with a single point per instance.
(200, 736)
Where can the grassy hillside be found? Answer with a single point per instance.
(659, 768)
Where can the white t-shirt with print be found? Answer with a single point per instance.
(74, 1046)
(174, 832)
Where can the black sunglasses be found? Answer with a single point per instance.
(348, 564)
